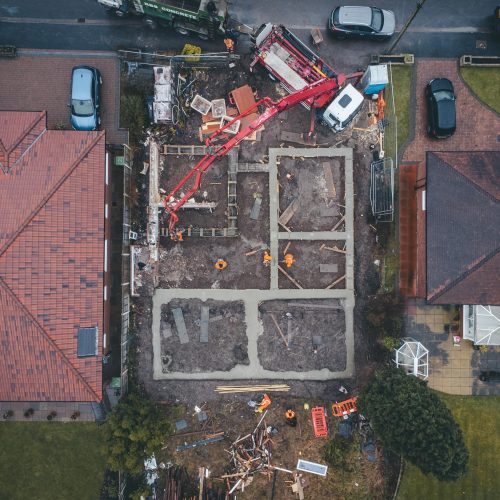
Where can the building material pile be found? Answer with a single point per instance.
(162, 105)
(250, 455)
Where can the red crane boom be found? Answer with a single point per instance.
(321, 91)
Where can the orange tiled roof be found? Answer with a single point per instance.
(51, 259)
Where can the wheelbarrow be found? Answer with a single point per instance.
(317, 37)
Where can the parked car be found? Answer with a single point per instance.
(85, 99)
(362, 22)
(441, 114)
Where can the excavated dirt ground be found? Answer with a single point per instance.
(227, 341)
(213, 188)
(315, 335)
(190, 264)
(317, 211)
(309, 257)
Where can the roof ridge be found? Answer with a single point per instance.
(51, 193)
(464, 275)
(41, 114)
(48, 337)
(466, 178)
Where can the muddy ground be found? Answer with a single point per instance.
(190, 264)
(227, 343)
(357, 478)
(314, 331)
(309, 256)
(318, 211)
(213, 188)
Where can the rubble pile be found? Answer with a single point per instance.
(250, 455)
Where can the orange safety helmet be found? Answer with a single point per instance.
(289, 414)
(220, 264)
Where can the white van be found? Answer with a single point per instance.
(343, 108)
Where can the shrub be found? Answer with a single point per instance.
(136, 429)
(413, 421)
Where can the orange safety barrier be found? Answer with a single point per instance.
(319, 421)
(344, 407)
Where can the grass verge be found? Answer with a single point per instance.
(398, 104)
(51, 461)
(478, 417)
(485, 83)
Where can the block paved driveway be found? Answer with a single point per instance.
(39, 80)
(478, 127)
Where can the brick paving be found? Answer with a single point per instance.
(450, 367)
(39, 80)
(407, 230)
(478, 127)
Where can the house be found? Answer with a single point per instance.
(455, 203)
(54, 305)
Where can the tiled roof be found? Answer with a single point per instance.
(463, 227)
(51, 261)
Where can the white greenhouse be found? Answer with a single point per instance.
(413, 357)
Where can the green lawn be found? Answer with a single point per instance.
(485, 83)
(479, 418)
(401, 80)
(51, 461)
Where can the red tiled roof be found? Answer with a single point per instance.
(51, 260)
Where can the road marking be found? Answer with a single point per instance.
(87, 22)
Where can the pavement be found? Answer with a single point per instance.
(478, 126)
(39, 80)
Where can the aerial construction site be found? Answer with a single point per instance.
(256, 226)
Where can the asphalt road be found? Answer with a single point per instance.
(442, 28)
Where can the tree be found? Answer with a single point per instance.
(413, 421)
(135, 429)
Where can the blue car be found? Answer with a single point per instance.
(85, 100)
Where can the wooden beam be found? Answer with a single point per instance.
(289, 212)
(295, 282)
(338, 280)
(280, 331)
(338, 223)
(330, 185)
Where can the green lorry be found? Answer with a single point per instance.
(207, 19)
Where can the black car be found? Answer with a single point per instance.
(441, 115)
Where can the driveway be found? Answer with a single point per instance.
(40, 80)
(478, 127)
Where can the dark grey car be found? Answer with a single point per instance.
(85, 99)
(441, 113)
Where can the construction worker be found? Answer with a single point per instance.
(229, 43)
(291, 417)
(266, 260)
(177, 236)
(289, 260)
(263, 404)
(220, 265)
